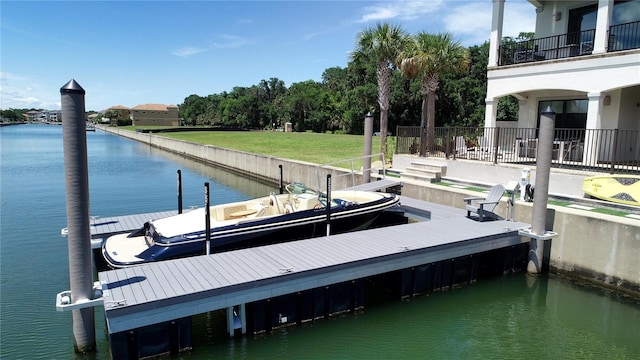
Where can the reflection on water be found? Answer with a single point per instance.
(511, 317)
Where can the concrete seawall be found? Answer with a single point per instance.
(598, 248)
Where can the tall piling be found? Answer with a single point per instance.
(539, 212)
(76, 174)
(368, 134)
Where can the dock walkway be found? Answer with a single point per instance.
(159, 292)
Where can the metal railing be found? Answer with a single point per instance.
(547, 48)
(349, 168)
(620, 37)
(624, 37)
(614, 150)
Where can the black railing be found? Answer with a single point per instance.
(615, 151)
(620, 37)
(624, 37)
(547, 48)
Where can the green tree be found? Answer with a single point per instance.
(10, 115)
(461, 96)
(194, 107)
(429, 58)
(382, 44)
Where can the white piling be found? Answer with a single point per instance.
(77, 199)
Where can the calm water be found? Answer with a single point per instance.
(511, 317)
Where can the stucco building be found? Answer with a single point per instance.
(584, 63)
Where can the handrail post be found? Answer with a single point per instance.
(280, 184)
(179, 192)
(496, 141)
(615, 151)
(447, 142)
(328, 207)
(207, 219)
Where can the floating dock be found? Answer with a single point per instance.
(291, 282)
(167, 290)
(148, 308)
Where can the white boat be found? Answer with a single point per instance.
(300, 213)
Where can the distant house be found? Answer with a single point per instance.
(33, 115)
(155, 114)
(122, 111)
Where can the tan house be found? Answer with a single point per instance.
(155, 114)
(123, 113)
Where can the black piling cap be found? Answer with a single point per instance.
(72, 87)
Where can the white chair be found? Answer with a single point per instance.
(483, 207)
(461, 147)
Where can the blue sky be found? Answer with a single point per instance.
(137, 52)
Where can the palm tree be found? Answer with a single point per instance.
(430, 56)
(382, 44)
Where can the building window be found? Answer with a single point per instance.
(570, 114)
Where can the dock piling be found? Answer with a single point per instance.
(368, 133)
(77, 206)
(539, 234)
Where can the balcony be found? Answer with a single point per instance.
(613, 151)
(621, 37)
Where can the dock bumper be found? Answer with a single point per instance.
(63, 299)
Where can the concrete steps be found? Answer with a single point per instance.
(423, 171)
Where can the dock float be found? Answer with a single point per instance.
(168, 293)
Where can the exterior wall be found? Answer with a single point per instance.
(546, 23)
(166, 117)
(596, 247)
(629, 108)
(586, 74)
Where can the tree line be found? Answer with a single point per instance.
(341, 99)
(395, 76)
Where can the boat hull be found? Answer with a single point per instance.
(623, 189)
(288, 227)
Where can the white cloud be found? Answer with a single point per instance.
(471, 21)
(232, 41)
(518, 17)
(187, 51)
(20, 92)
(400, 10)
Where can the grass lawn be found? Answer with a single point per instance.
(310, 147)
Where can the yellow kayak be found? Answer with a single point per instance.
(624, 189)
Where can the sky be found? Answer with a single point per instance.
(139, 52)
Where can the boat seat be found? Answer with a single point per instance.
(229, 210)
(288, 208)
(274, 205)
